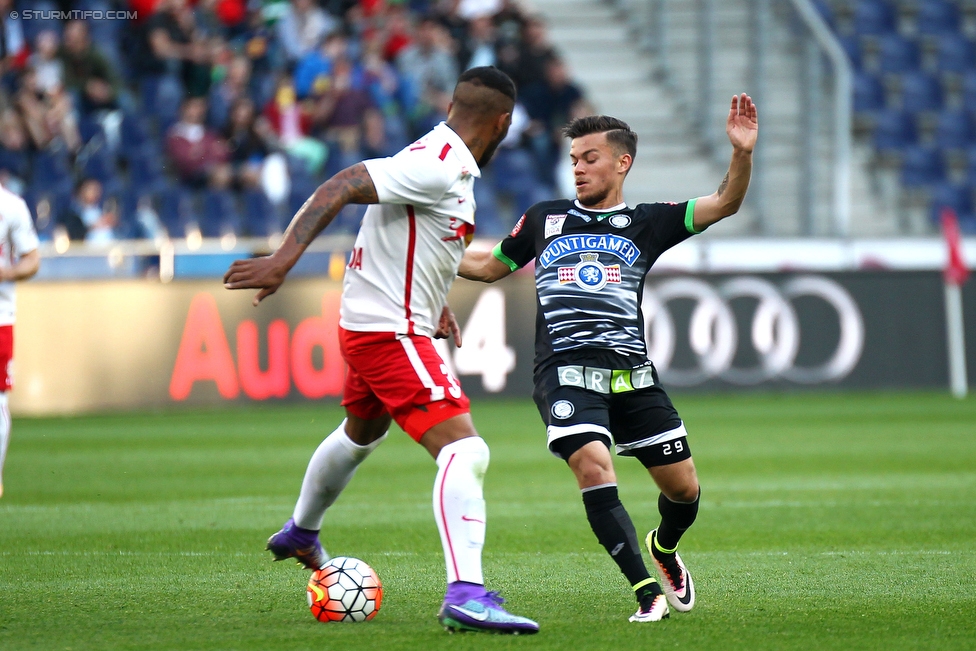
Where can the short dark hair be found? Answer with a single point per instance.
(619, 134)
(491, 77)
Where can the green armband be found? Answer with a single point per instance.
(497, 252)
(690, 217)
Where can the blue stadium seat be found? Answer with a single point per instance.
(219, 214)
(51, 173)
(869, 93)
(897, 54)
(937, 17)
(874, 17)
(852, 46)
(955, 53)
(146, 174)
(89, 127)
(955, 196)
(969, 91)
(826, 11)
(35, 26)
(920, 92)
(260, 218)
(922, 165)
(134, 136)
(954, 130)
(175, 208)
(893, 131)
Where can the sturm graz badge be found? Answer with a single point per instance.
(620, 221)
(562, 409)
(590, 274)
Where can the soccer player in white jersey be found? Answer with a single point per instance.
(404, 261)
(19, 260)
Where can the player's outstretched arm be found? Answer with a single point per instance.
(482, 266)
(25, 267)
(742, 127)
(351, 185)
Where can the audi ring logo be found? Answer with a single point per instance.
(775, 331)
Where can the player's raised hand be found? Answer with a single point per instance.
(264, 273)
(743, 123)
(448, 326)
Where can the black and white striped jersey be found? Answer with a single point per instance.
(590, 269)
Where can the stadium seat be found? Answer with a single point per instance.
(955, 53)
(146, 174)
(869, 93)
(175, 208)
(951, 195)
(922, 165)
(937, 17)
(954, 130)
(874, 17)
(219, 213)
(37, 25)
(969, 91)
(259, 217)
(134, 136)
(894, 130)
(51, 174)
(852, 46)
(897, 54)
(920, 92)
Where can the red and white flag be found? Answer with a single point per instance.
(956, 272)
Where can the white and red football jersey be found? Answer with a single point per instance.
(409, 246)
(17, 237)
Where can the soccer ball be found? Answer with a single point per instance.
(345, 590)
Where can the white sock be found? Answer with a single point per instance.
(329, 470)
(459, 507)
(4, 431)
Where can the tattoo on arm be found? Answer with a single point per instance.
(351, 185)
(723, 185)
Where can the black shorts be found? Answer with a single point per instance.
(637, 422)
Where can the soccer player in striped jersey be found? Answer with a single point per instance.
(403, 263)
(594, 384)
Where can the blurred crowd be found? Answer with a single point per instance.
(215, 118)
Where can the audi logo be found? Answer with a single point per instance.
(775, 331)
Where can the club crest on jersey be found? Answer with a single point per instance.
(554, 225)
(590, 274)
(562, 409)
(567, 245)
(620, 221)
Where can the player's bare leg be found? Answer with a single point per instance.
(593, 467)
(330, 469)
(459, 509)
(678, 504)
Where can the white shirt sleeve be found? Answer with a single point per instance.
(410, 177)
(23, 237)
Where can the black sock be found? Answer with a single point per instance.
(615, 531)
(676, 518)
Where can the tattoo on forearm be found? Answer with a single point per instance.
(723, 185)
(351, 185)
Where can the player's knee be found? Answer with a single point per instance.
(472, 448)
(593, 471)
(685, 493)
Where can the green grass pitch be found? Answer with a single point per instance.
(827, 522)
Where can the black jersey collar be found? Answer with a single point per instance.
(601, 213)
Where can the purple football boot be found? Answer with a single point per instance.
(468, 607)
(301, 544)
